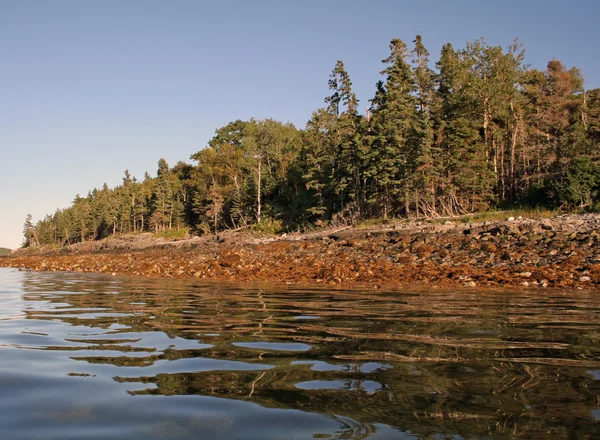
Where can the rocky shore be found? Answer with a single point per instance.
(561, 252)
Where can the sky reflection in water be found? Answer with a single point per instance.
(95, 357)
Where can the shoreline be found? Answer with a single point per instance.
(561, 252)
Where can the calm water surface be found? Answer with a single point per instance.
(97, 357)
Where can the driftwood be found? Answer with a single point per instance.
(239, 228)
(317, 234)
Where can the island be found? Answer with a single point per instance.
(482, 172)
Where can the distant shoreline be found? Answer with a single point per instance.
(561, 252)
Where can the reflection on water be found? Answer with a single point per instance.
(96, 357)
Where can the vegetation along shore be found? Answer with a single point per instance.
(480, 131)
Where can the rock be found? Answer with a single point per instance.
(470, 284)
(230, 260)
(546, 224)
(585, 279)
(510, 219)
(488, 247)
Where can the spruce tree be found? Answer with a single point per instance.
(393, 132)
(29, 233)
(425, 160)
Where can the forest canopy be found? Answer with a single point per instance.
(478, 129)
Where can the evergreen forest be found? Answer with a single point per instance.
(477, 130)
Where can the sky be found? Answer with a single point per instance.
(90, 89)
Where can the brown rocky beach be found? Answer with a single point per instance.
(561, 252)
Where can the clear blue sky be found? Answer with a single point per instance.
(89, 89)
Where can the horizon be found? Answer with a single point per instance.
(95, 89)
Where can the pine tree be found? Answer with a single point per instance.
(333, 152)
(425, 158)
(319, 162)
(345, 140)
(29, 233)
(393, 131)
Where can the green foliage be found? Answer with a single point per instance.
(480, 131)
(579, 186)
(244, 167)
(374, 222)
(536, 196)
(492, 215)
(393, 135)
(174, 234)
(268, 225)
(4, 252)
(203, 228)
(29, 233)
(333, 154)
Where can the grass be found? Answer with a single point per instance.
(530, 213)
(173, 234)
(379, 221)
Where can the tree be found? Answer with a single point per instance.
(467, 170)
(347, 140)
(318, 163)
(482, 130)
(333, 154)
(579, 186)
(425, 158)
(393, 131)
(29, 233)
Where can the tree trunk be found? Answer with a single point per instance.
(513, 154)
(258, 192)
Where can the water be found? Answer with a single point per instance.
(98, 357)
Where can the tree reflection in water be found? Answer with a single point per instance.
(514, 364)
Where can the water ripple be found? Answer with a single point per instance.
(88, 356)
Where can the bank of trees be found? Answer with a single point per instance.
(477, 130)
